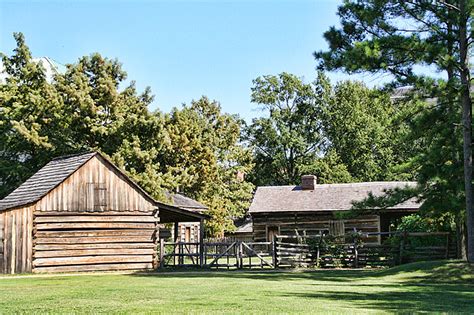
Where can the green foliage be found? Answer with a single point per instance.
(32, 120)
(196, 149)
(342, 133)
(359, 125)
(399, 38)
(290, 138)
(417, 223)
(202, 158)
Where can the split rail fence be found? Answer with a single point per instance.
(306, 251)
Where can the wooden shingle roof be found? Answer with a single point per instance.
(324, 197)
(187, 203)
(45, 180)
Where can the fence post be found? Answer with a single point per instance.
(241, 254)
(356, 252)
(162, 252)
(402, 246)
(318, 249)
(201, 243)
(274, 253)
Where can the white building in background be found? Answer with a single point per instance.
(50, 66)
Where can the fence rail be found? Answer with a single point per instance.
(308, 251)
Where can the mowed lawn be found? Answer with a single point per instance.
(429, 287)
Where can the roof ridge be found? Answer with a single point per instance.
(72, 155)
(344, 184)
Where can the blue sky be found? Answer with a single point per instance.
(181, 49)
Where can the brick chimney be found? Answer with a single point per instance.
(308, 182)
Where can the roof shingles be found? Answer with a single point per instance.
(325, 197)
(43, 181)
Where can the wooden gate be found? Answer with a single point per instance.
(215, 255)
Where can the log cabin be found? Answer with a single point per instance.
(82, 213)
(310, 209)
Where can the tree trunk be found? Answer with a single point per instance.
(460, 237)
(467, 127)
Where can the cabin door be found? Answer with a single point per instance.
(272, 231)
(187, 235)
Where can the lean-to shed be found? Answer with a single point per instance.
(81, 213)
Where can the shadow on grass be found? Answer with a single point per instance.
(407, 299)
(437, 286)
(430, 271)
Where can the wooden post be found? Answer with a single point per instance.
(402, 245)
(241, 259)
(274, 253)
(156, 240)
(162, 252)
(318, 250)
(176, 240)
(356, 252)
(201, 243)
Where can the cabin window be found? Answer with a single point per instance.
(272, 231)
(336, 227)
(97, 195)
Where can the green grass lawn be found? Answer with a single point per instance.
(428, 287)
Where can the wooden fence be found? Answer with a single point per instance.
(316, 251)
(236, 254)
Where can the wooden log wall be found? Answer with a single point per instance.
(311, 224)
(70, 242)
(16, 227)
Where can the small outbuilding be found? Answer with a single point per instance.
(82, 213)
(311, 208)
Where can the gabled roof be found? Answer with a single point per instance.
(59, 169)
(324, 197)
(45, 180)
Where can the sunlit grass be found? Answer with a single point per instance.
(429, 287)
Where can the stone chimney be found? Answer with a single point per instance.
(308, 182)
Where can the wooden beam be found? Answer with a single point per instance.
(85, 260)
(201, 243)
(41, 247)
(94, 225)
(94, 267)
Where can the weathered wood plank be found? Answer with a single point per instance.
(29, 246)
(94, 267)
(40, 213)
(93, 233)
(90, 252)
(91, 240)
(79, 191)
(100, 218)
(84, 260)
(41, 247)
(94, 225)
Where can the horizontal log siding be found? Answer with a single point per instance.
(310, 223)
(76, 193)
(16, 240)
(105, 241)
